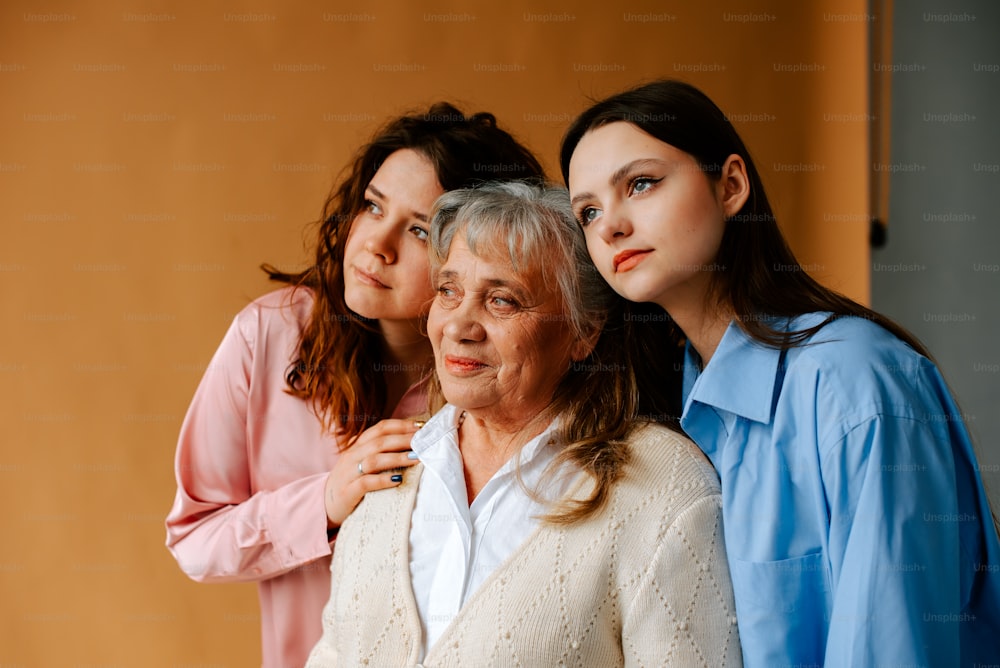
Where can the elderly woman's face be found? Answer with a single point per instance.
(501, 339)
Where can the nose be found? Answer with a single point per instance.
(381, 241)
(463, 324)
(613, 224)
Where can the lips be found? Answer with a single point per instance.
(463, 365)
(366, 278)
(628, 259)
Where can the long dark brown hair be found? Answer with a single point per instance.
(757, 274)
(339, 351)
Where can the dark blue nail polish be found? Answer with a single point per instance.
(397, 478)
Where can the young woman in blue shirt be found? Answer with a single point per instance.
(857, 528)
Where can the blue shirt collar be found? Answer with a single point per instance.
(740, 377)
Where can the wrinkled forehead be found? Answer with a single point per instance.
(491, 236)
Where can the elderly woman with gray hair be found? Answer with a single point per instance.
(545, 524)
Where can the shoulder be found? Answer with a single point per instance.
(858, 353)
(852, 341)
(281, 303)
(853, 370)
(658, 452)
(380, 519)
(666, 468)
(277, 312)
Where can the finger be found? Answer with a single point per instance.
(341, 502)
(380, 462)
(387, 460)
(391, 426)
(375, 482)
(389, 443)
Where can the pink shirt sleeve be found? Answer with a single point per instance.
(251, 461)
(251, 466)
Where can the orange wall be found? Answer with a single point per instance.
(152, 154)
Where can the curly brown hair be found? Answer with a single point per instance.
(339, 351)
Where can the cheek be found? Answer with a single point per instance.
(540, 352)
(708, 235)
(700, 231)
(436, 319)
(424, 284)
(597, 251)
(422, 295)
(417, 267)
(353, 240)
(512, 353)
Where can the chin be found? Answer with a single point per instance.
(455, 396)
(460, 398)
(640, 291)
(634, 294)
(364, 308)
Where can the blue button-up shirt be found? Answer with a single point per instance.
(856, 523)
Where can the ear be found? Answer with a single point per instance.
(734, 185)
(581, 348)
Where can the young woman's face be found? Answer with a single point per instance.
(652, 218)
(386, 269)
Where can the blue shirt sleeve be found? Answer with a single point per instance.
(910, 527)
(894, 530)
(857, 528)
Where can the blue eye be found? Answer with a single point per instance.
(588, 215)
(642, 184)
(503, 305)
(447, 296)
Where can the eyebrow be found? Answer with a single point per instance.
(380, 195)
(451, 274)
(619, 175)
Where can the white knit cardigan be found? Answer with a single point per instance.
(642, 583)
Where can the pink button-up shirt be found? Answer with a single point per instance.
(251, 466)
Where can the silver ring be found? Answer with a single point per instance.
(360, 470)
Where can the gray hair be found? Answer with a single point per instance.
(534, 224)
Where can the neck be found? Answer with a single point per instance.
(486, 445)
(406, 355)
(503, 438)
(703, 324)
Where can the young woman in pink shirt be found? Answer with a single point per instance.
(309, 401)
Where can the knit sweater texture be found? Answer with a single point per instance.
(644, 582)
